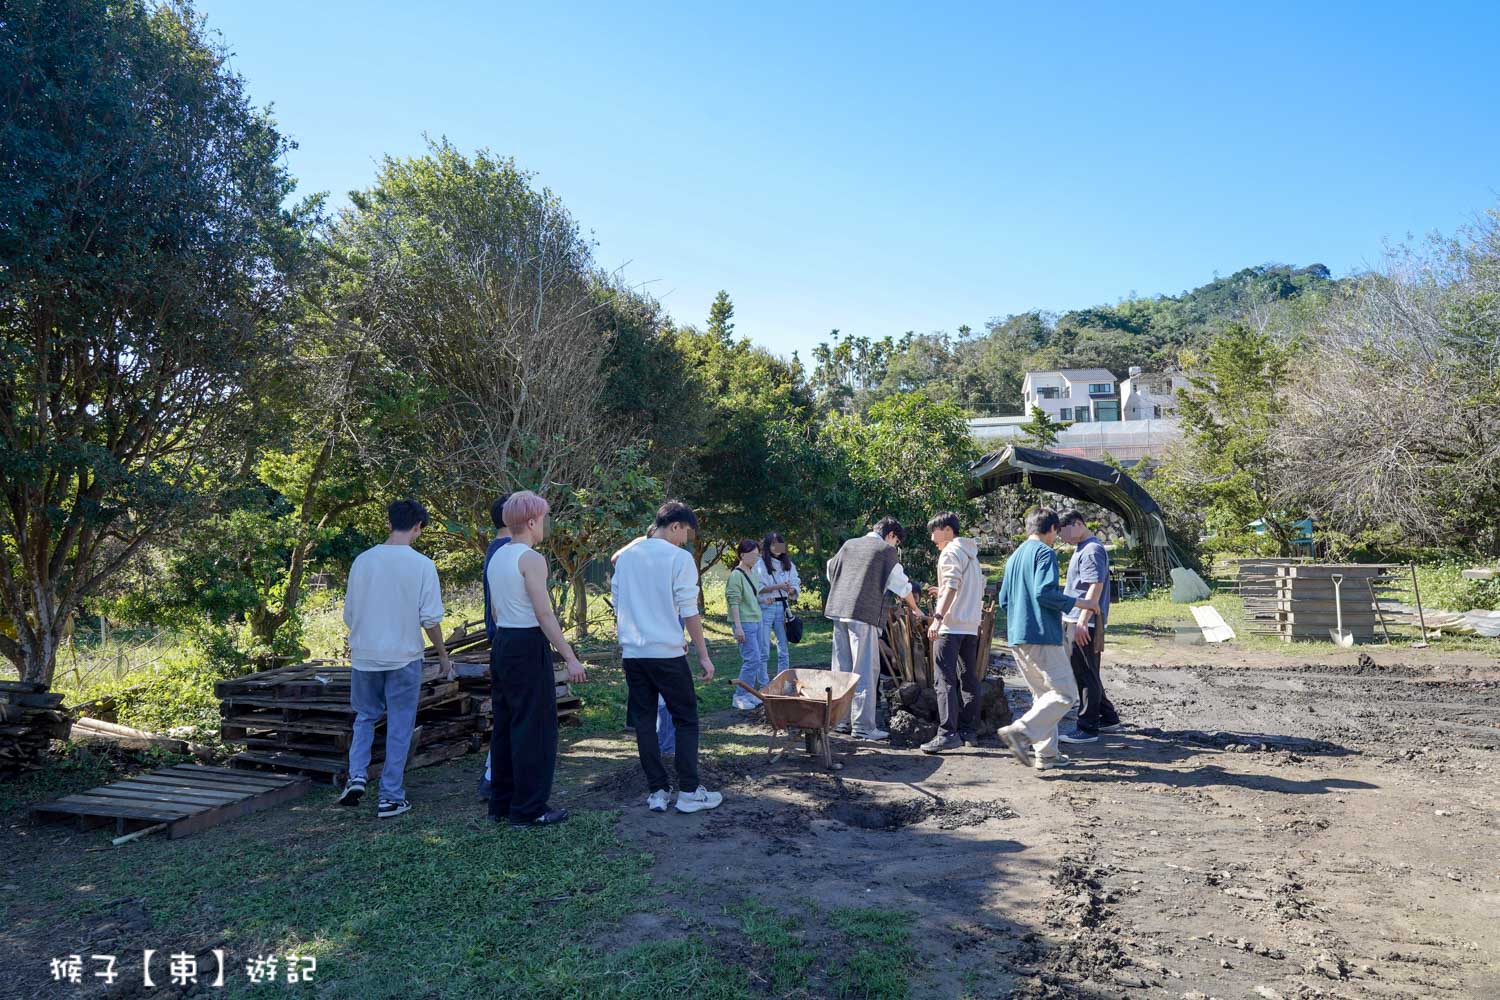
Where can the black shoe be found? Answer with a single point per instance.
(969, 739)
(484, 790)
(551, 817)
(392, 807)
(354, 790)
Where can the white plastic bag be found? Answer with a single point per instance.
(1188, 586)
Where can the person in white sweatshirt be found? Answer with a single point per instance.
(393, 597)
(955, 632)
(655, 594)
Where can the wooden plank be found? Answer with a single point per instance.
(95, 805)
(181, 790)
(213, 817)
(226, 774)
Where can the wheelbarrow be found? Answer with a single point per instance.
(810, 700)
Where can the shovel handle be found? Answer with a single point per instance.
(739, 683)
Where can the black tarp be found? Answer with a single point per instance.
(1080, 479)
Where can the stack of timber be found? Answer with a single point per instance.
(1301, 605)
(31, 717)
(908, 656)
(298, 719)
(469, 651)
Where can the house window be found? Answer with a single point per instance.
(1066, 414)
(1158, 411)
(1047, 392)
(1101, 389)
(1081, 414)
(1107, 411)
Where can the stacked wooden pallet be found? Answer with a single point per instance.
(298, 719)
(469, 650)
(1300, 601)
(31, 717)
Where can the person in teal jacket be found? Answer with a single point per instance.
(1034, 604)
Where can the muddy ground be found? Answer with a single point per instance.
(1288, 830)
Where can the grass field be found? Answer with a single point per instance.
(444, 904)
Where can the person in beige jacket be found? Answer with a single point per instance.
(955, 633)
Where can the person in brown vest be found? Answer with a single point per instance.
(862, 576)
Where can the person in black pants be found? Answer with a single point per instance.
(1088, 577)
(523, 745)
(655, 591)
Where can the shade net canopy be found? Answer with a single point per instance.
(1081, 479)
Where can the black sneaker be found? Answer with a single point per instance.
(551, 817)
(354, 790)
(389, 808)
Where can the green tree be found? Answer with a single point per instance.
(604, 516)
(147, 266)
(1041, 430)
(907, 458)
(479, 295)
(731, 479)
(1227, 467)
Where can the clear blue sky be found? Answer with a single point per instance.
(879, 168)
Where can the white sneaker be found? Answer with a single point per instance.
(657, 801)
(691, 802)
(873, 734)
(1048, 763)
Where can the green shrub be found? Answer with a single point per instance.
(178, 691)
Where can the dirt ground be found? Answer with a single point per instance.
(1265, 828)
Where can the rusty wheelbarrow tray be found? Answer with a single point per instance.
(810, 700)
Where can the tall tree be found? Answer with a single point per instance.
(1226, 466)
(479, 291)
(141, 300)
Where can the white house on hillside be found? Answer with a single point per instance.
(1073, 395)
(1153, 396)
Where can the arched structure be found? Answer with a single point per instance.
(1081, 479)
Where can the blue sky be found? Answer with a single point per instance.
(879, 168)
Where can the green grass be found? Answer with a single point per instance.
(882, 958)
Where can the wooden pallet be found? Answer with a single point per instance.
(187, 798)
(333, 769)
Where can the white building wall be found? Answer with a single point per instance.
(1128, 441)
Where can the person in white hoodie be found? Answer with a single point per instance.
(393, 596)
(655, 594)
(955, 632)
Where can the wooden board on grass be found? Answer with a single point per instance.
(187, 798)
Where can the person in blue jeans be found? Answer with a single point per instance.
(778, 586)
(740, 596)
(393, 596)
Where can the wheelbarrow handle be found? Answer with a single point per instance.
(739, 683)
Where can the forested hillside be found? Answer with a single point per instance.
(981, 370)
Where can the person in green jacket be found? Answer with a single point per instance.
(742, 597)
(1034, 604)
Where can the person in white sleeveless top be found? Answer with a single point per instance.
(523, 744)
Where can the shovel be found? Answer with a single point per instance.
(1337, 634)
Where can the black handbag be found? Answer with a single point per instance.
(793, 623)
